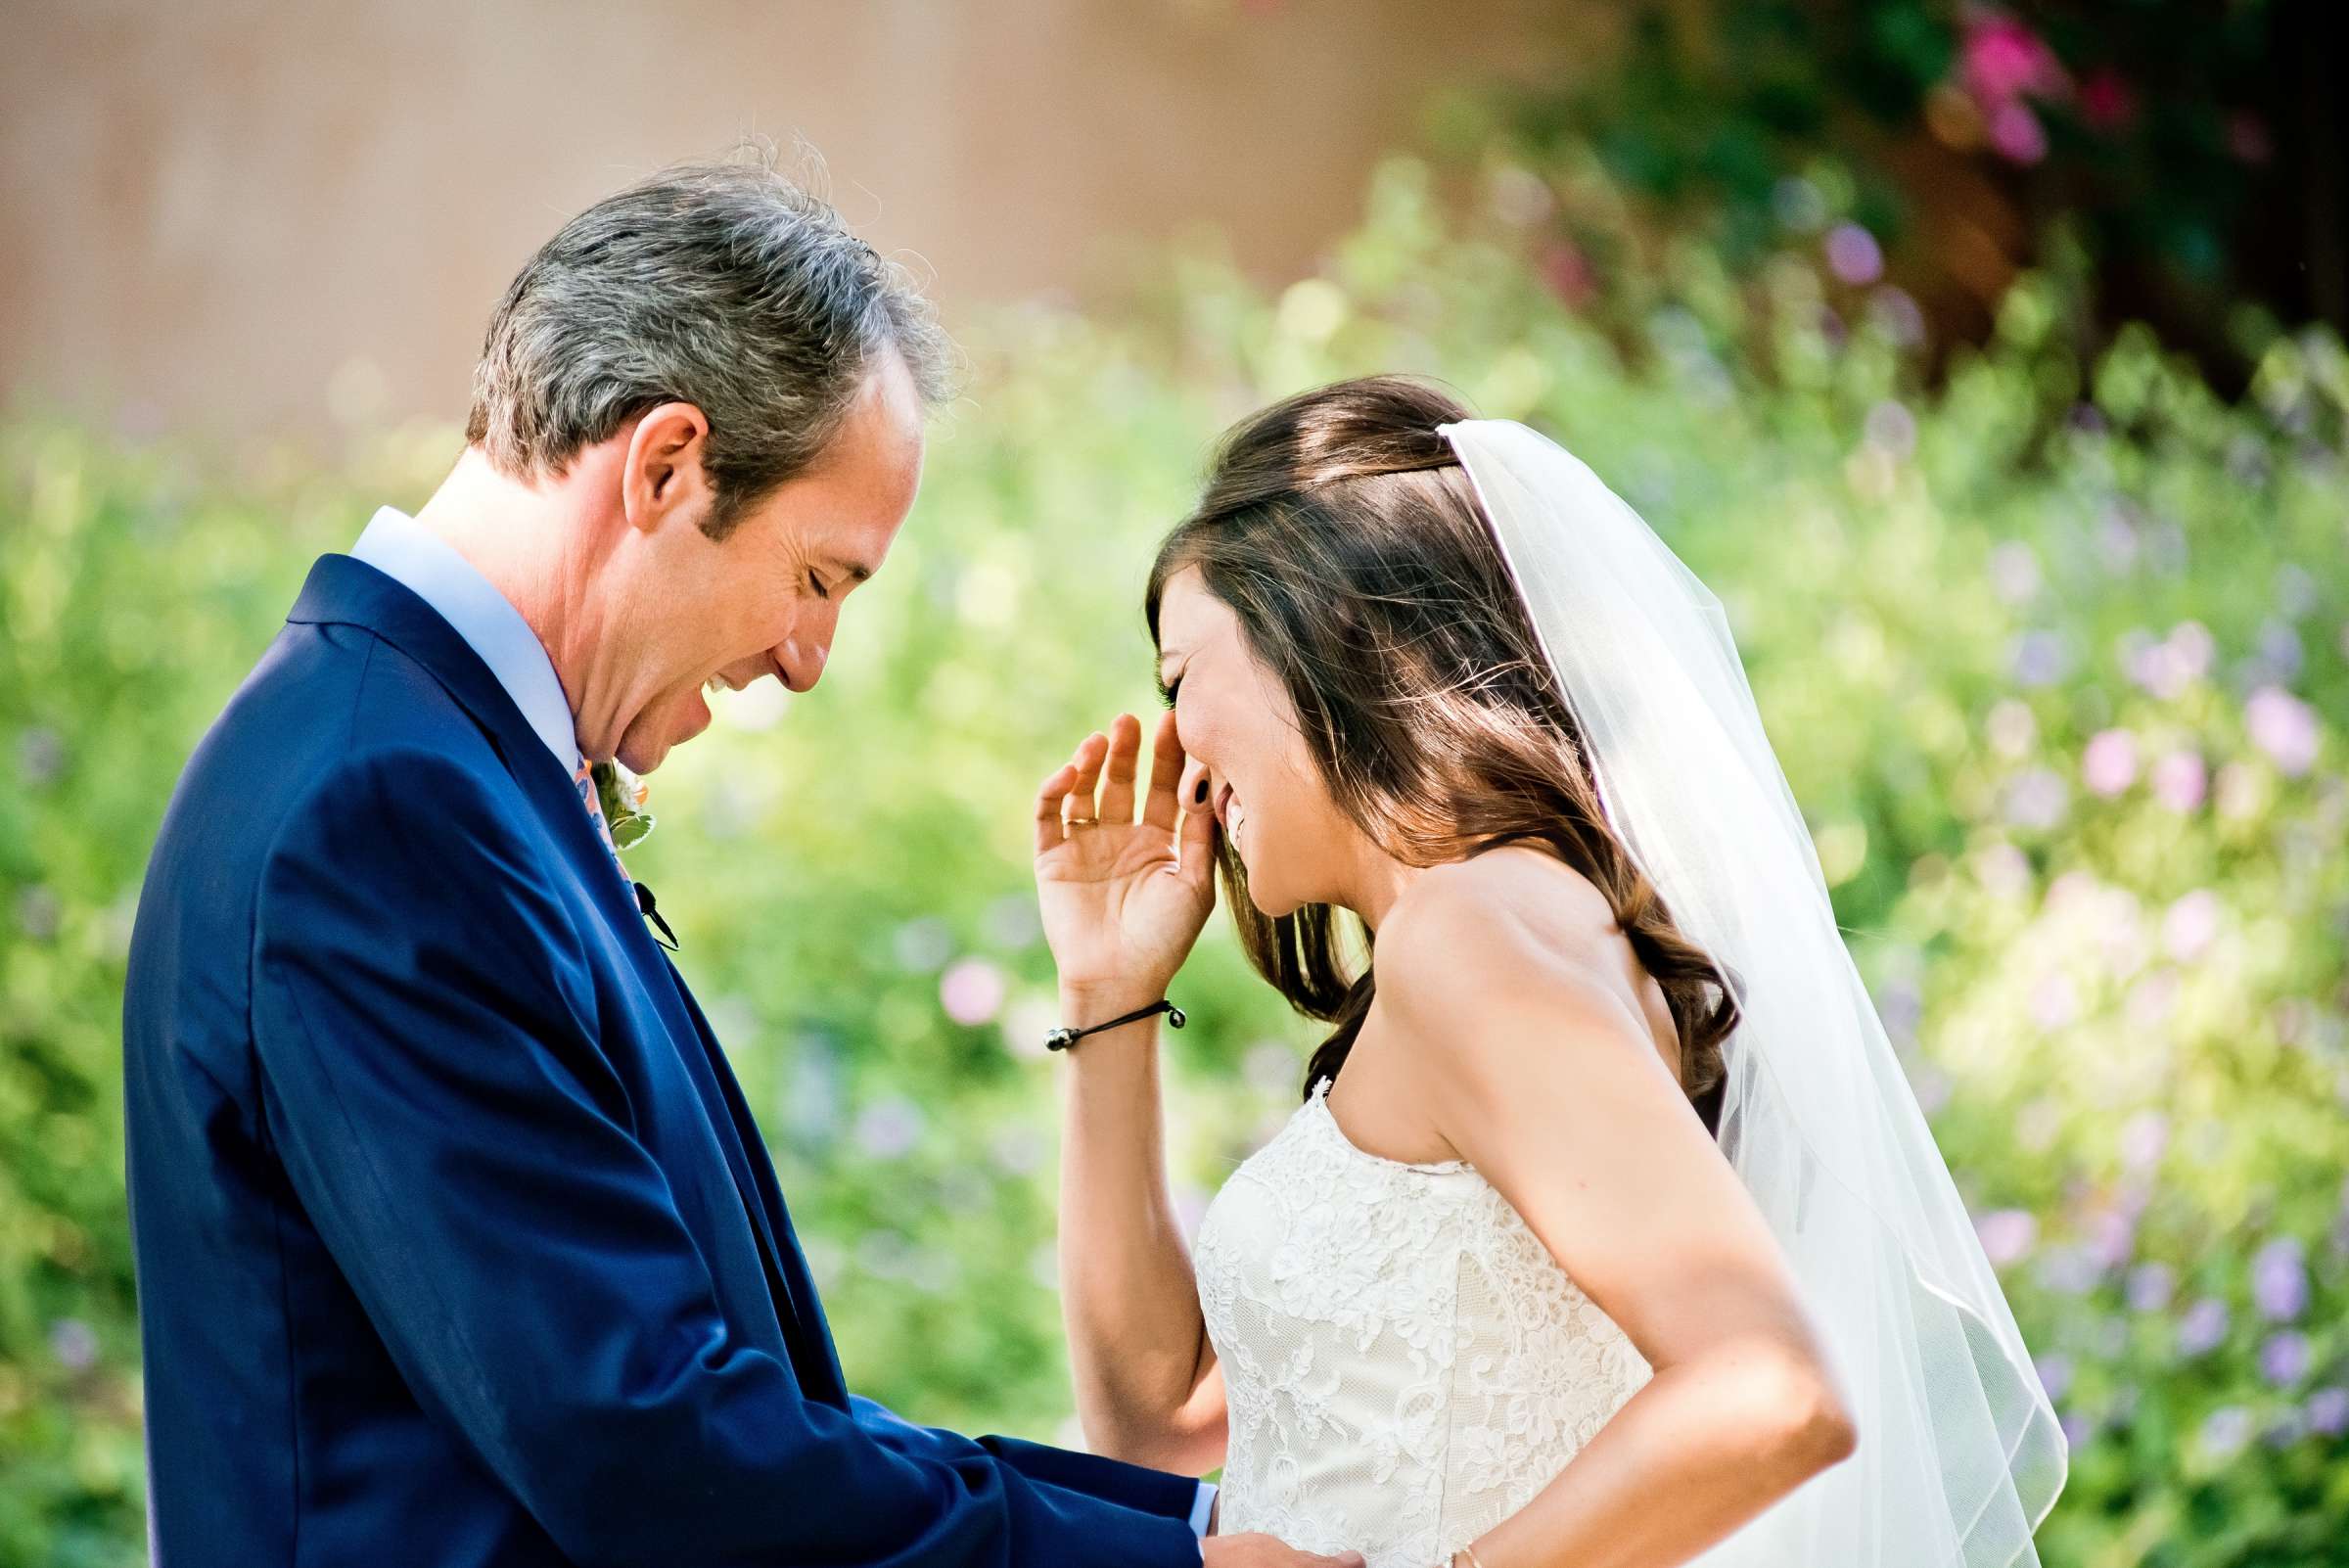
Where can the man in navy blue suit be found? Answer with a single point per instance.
(456, 1242)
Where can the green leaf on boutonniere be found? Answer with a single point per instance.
(622, 795)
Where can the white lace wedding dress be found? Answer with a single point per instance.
(1405, 1365)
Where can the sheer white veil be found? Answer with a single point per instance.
(1959, 1453)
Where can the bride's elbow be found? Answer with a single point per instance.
(1172, 1443)
(1820, 1432)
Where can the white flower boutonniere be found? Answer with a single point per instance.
(621, 795)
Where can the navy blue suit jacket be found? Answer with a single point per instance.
(456, 1242)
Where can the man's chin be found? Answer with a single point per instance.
(646, 743)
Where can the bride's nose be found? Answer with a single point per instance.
(1194, 789)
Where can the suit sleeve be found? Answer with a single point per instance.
(424, 1022)
(1129, 1486)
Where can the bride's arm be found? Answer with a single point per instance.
(1122, 902)
(1542, 1077)
(1149, 1389)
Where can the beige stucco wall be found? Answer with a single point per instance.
(212, 212)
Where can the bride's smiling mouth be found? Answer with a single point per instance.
(1230, 813)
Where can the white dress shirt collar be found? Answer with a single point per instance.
(420, 561)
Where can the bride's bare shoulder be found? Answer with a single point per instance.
(1507, 906)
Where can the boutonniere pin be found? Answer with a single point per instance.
(622, 795)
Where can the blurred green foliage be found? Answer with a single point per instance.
(2054, 654)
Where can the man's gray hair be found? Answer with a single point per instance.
(726, 285)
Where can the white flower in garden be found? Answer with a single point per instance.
(2192, 925)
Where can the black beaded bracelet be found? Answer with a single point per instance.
(1060, 1039)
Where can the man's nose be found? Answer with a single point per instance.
(802, 660)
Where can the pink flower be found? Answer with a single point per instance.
(2109, 765)
(1852, 254)
(2003, 60)
(2282, 726)
(2179, 780)
(1569, 274)
(2192, 925)
(2006, 1236)
(2106, 102)
(971, 992)
(2016, 134)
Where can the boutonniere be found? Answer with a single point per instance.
(622, 795)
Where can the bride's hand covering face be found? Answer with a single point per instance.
(1122, 900)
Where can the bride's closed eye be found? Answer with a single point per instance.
(1171, 689)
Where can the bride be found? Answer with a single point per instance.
(1608, 1233)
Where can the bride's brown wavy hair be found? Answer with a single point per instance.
(1343, 534)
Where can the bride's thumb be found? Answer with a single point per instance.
(1198, 841)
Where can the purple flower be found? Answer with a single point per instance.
(2192, 925)
(2038, 659)
(2076, 1429)
(1898, 313)
(2279, 649)
(2203, 1327)
(40, 755)
(1890, 428)
(2151, 1285)
(2143, 1138)
(2109, 763)
(2006, 1236)
(2037, 798)
(2284, 1358)
(2069, 1270)
(2280, 1281)
(2226, 1430)
(2295, 590)
(2111, 1238)
(2329, 1411)
(971, 992)
(2284, 726)
(2179, 780)
(2168, 666)
(888, 1129)
(2117, 538)
(1852, 254)
(74, 1345)
(2054, 1374)
(2017, 134)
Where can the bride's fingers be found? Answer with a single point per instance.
(1088, 762)
(1161, 806)
(1049, 798)
(1117, 774)
(1197, 848)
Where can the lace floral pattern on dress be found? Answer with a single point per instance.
(1405, 1365)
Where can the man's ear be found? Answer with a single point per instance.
(662, 479)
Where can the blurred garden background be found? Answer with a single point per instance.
(1988, 362)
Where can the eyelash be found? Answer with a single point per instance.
(818, 584)
(1167, 693)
